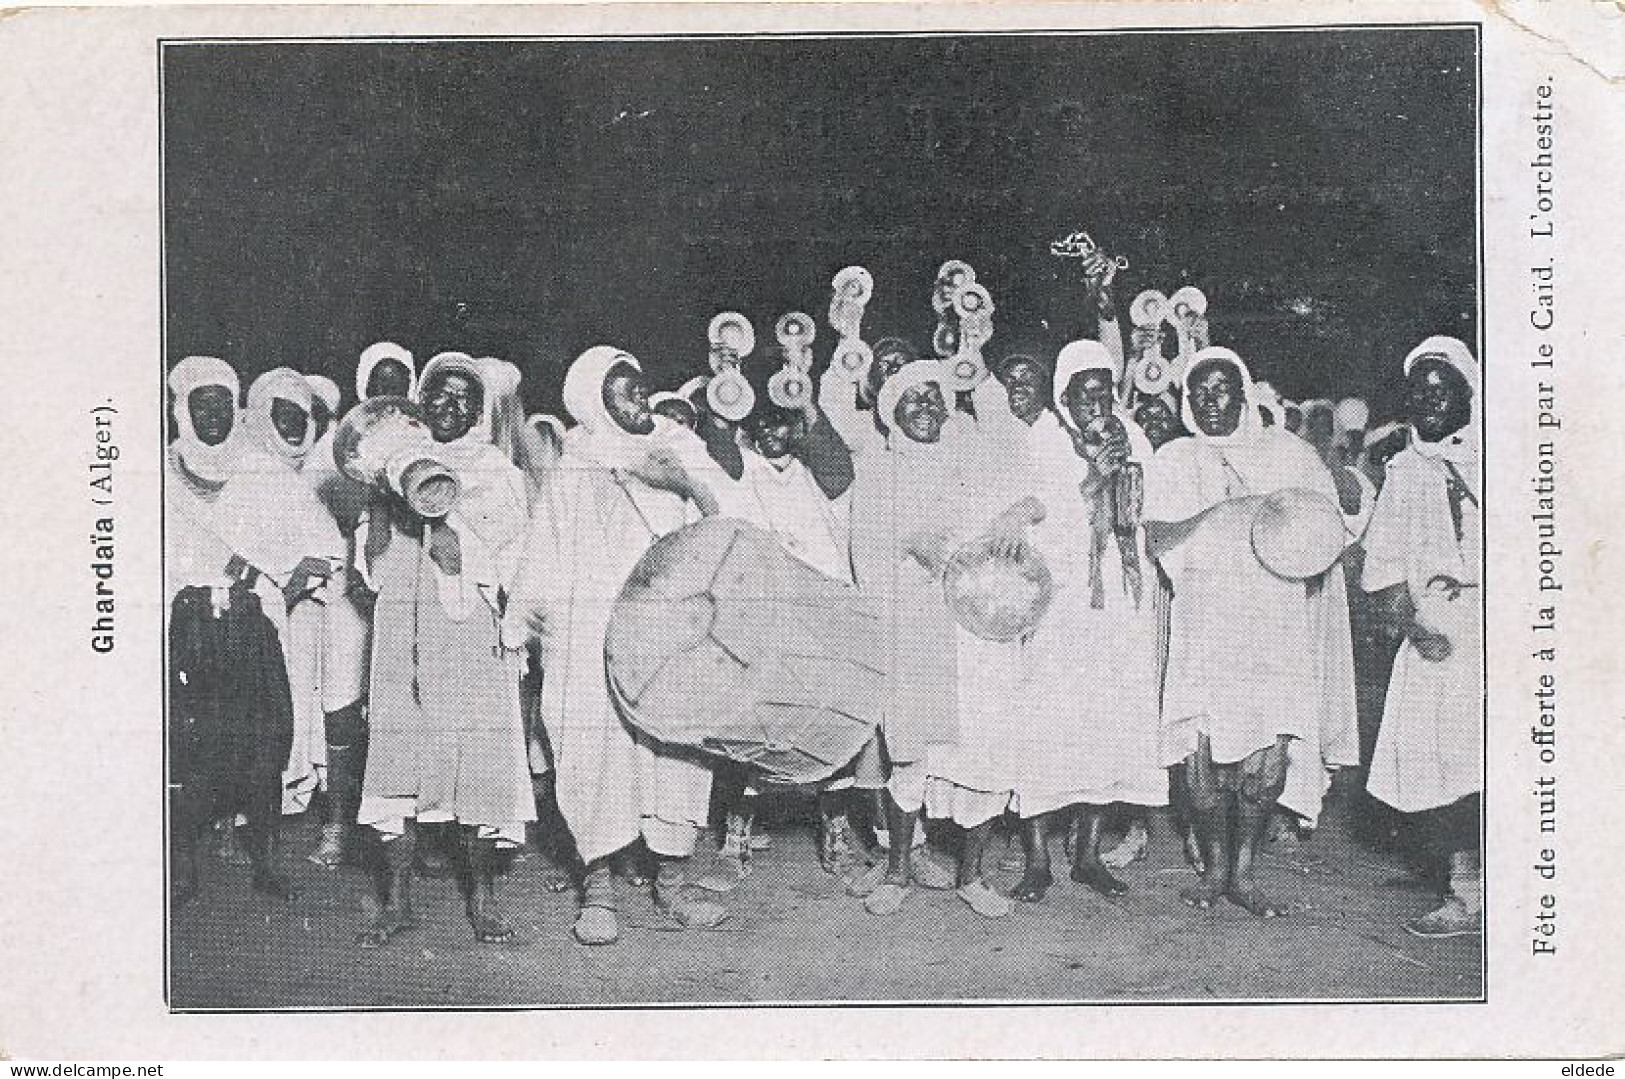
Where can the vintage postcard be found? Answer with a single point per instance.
(861, 530)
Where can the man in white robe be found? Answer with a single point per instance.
(1244, 713)
(617, 491)
(1423, 560)
(446, 742)
(238, 552)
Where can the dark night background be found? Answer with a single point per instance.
(529, 199)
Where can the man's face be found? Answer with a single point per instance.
(389, 378)
(1216, 399)
(1088, 397)
(291, 421)
(1156, 419)
(451, 403)
(212, 410)
(1027, 386)
(678, 412)
(1438, 400)
(774, 434)
(626, 398)
(887, 363)
(921, 412)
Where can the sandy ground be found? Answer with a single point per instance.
(794, 936)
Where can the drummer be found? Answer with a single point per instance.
(617, 490)
(1241, 711)
(801, 474)
(926, 493)
(1423, 554)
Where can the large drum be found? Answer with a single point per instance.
(722, 641)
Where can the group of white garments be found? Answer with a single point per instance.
(1089, 708)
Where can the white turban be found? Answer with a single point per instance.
(907, 377)
(194, 373)
(597, 435)
(483, 372)
(373, 355)
(1075, 358)
(209, 464)
(1250, 424)
(1463, 445)
(284, 384)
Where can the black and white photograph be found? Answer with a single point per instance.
(780, 519)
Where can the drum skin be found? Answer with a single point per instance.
(723, 642)
(1298, 533)
(997, 598)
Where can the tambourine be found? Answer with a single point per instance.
(730, 396)
(795, 332)
(953, 277)
(732, 331)
(1149, 308)
(852, 358)
(854, 284)
(789, 387)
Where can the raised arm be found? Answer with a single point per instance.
(826, 454)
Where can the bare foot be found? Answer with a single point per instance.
(1251, 899)
(390, 922)
(1097, 878)
(1033, 884)
(1201, 896)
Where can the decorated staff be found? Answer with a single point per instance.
(729, 393)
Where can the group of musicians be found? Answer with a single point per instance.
(422, 678)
